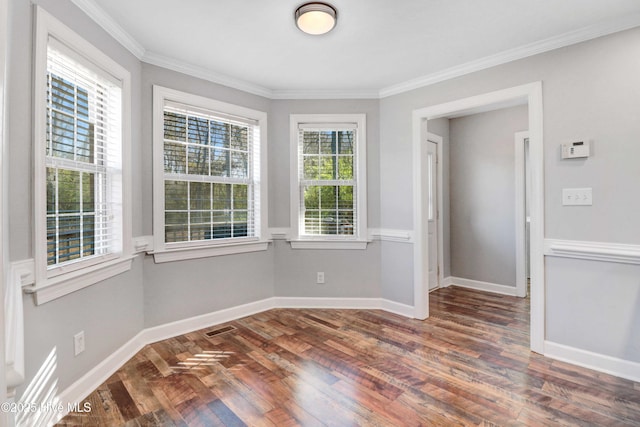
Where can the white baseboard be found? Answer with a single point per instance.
(397, 308)
(598, 362)
(446, 282)
(481, 286)
(80, 389)
(180, 327)
(99, 374)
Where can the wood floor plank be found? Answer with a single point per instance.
(468, 364)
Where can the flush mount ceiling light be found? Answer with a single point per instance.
(316, 18)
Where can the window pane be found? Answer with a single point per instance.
(219, 134)
(88, 191)
(327, 142)
(240, 224)
(88, 235)
(328, 223)
(83, 104)
(328, 197)
(68, 191)
(200, 196)
(175, 157)
(220, 162)
(239, 164)
(62, 131)
(63, 95)
(345, 222)
(68, 238)
(327, 167)
(312, 222)
(239, 138)
(312, 197)
(345, 140)
(175, 126)
(200, 225)
(240, 200)
(311, 143)
(51, 191)
(51, 240)
(221, 225)
(345, 197)
(176, 218)
(175, 195)
(175, 233)
(84, 142)
(198, 130)
(198, 160)
(310, 164)
(345, 167)
(221, 196)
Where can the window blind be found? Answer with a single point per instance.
(83, 159)
(328, 179)
(211, 170)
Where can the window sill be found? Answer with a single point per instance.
(64, 284)
(182, 254)
(329, 244)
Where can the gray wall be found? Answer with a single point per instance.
(182, 289)
(348, 273)
(482, 195)
(108, 312)
(590, 90)
(594, 306)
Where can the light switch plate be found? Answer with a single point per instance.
(577, 197)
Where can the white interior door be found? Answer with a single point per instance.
(432, 213)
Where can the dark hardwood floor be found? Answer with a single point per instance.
(468, 364)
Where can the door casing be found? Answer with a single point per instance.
(530, 94)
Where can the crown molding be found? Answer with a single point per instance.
(104, 20)
(551, 43)
(326, 94)
(205, 74)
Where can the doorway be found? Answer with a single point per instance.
(435, 235)
(522, 211)
(530, 94)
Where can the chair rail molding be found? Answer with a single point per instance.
(391, 235)
(595, 251)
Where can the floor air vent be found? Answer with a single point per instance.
(220, 331)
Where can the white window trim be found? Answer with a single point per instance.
(50, 286)
(163, 252)
(360, 240)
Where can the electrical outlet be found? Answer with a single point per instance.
(320, 277)
(78, 342)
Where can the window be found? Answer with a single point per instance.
(208, 169)
(81, 139)
(82, 136)
(329, 186)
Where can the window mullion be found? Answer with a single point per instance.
(188, 206)
(57, 217)
(81, 225)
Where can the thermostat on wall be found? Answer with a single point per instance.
(575, 150)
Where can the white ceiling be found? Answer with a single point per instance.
(377, 47)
